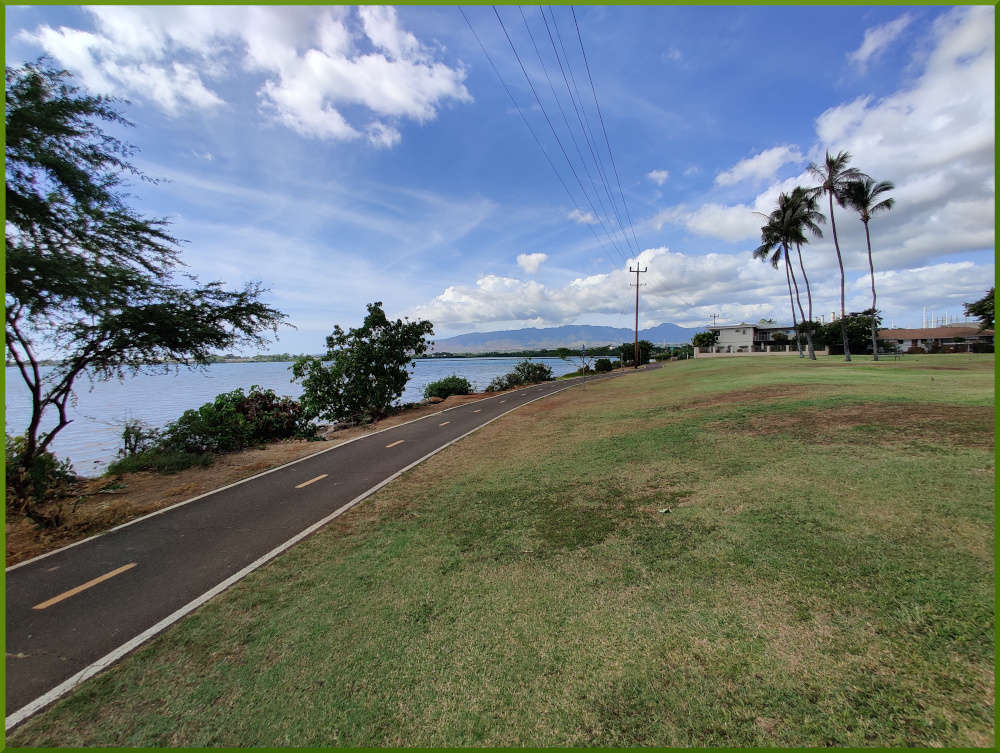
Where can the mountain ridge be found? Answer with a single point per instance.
(566, 336)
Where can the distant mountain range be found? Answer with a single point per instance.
(568, 336)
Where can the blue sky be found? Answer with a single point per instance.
(345, 155)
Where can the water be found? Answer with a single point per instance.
(92, 440)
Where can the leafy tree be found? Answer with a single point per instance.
(88, 278)
(628, 352)
(834, 176)
(705, 339)
(858, 327)
(603, 365)
(525, 372)
(982, 310)
(863, 196)
(367, 370)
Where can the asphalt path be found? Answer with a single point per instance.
(75, 611)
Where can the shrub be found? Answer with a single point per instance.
(46, 477)
(451, 385)
(602, 365)
(526, 372)
(982, 347)
(235, 421)
(137, 437)
(915, 349)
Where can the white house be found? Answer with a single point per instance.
(750, 339)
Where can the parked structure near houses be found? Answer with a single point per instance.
(752, 339)
(960, 337)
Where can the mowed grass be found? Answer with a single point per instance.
(735, 552)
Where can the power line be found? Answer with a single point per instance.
(555, 96)
(610, 154)
(548, 120)
(583, 119)
(523, 118)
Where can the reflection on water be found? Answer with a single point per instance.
(101, 408)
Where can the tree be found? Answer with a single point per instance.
(568, 354)
(367, 370)
(834, 175)
(89, 280)
(858, 327)
(796, 213)
(982, 310)
(628, 352)
(808, 218)
(705, 339)
(863, 196)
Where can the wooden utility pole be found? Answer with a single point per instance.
(637, 273)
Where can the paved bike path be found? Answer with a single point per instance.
(67, 610)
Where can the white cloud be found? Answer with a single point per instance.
(693, 170)
(729, 223)
(584, 218)
(531, 262)
(759, 167)
(659, 177)
(933, 139)
(877, 39)
(672, 54)
(314, 62)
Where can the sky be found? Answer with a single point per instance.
(345, 155)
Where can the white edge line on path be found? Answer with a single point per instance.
(258, 475)
(106, 661)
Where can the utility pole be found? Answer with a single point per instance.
(715, 319)
(637, 286)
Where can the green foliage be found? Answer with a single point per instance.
(367, 368)
(450, 385)
(234, 421)
(705, 339)
(982, 310)
(87, 276)
(859, 331)
(43, 476)
(526, 372)
(628, 351)
(137, 437)
(603, 365)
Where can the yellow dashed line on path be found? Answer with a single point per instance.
(84, 587)
(310, 481)
(445, 423)
(478, 410)
(398, 441)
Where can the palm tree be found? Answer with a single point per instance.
(802, 216)
(774, 248)
(863, 196)
(834, 176)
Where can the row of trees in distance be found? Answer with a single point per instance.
(797, 216)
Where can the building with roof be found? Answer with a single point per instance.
(961, 337)
(762, 338)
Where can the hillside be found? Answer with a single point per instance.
(568, 336)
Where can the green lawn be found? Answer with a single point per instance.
(736, 552)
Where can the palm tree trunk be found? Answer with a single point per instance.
(802, 314)
(840, 261)
(791, 301)
(809, 334)
(871, 269)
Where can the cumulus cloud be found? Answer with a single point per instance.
(584, 218)
(531, 262)
(659, 177)
(877, 39)
(318, 63)
(934, 139)
(759, 167)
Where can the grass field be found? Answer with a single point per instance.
(734, 552)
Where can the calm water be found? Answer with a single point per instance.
(93, 438)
